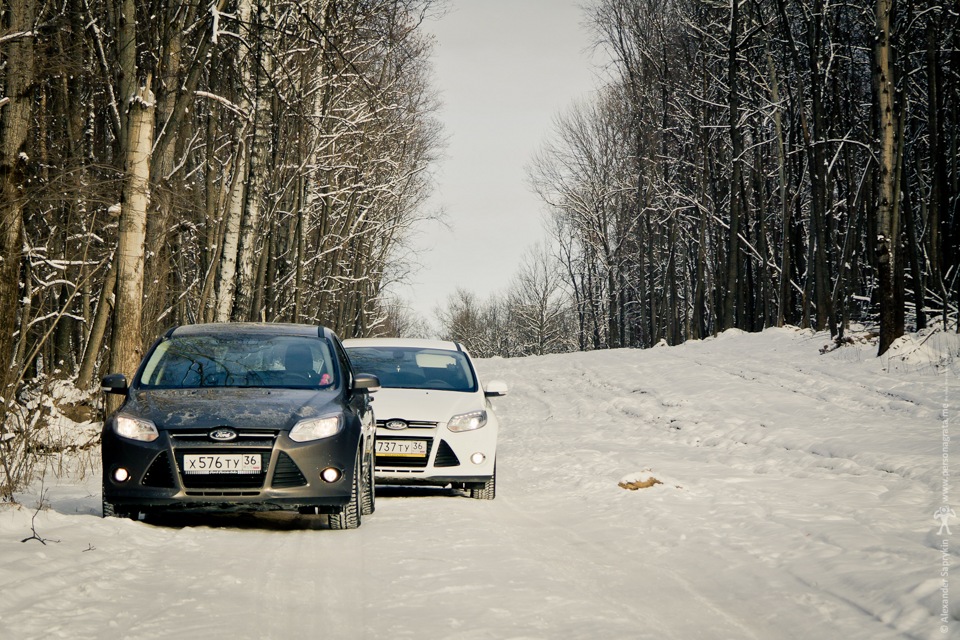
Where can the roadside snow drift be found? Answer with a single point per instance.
(746, 486)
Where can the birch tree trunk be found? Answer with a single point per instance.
(227, 282)
(888, 225)
(126, 348)
(259, 150)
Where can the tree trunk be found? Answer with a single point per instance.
(127, 61)
(913, 255)
(213, 246)
(157, 266)
(938, 179)
(784, 282)
(15, 118)
(730, 312)
(258, 79)
(888, 227)
(126, 348)
(98, 329)
(230, 239)
(818, 161)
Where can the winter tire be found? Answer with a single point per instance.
(349, 517)
(368, 492)
(487, 490)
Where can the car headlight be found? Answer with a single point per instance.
(316, 428)
(136, 429)
(467, 421)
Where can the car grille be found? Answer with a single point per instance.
(411, 424)
(259, 441)
(222, 494)
(259, 438)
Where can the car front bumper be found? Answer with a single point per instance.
(289, 477)
(449, 458)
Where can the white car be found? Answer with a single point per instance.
(435, 423)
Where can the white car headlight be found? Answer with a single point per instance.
(316, 428)
(467, 421)
(136, 429)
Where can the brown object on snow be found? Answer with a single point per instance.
(639, 484)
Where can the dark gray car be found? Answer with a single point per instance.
(237, 416)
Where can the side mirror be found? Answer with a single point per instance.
(495, 389)
(114, 383)
(366, 381)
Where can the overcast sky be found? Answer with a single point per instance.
(504, 69)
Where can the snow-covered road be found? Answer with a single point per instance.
(796, 500)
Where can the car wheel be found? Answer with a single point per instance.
(368, 492)
(486, 490)
(349, 517)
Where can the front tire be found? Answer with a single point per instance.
(487, 490)
(368, 494)
(350, 516)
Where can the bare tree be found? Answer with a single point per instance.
(16, 109)
(538, 307)
(888, 217)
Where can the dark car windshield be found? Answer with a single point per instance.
(415, 368)
(188, 362)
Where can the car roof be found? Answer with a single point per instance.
(262, 328)
(421, 343)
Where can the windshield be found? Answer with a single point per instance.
(415, 368)
(189, 362)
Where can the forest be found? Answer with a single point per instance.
(166, 162)
(745, 164)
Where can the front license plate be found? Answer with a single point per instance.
(228, 463)
(402, 448)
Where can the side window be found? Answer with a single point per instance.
(344, 363)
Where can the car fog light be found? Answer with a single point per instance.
(477, 458)
(330, 474)
(121, 475)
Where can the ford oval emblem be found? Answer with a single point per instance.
(396, 425)
(223, 435)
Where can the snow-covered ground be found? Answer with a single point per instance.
(796, 499)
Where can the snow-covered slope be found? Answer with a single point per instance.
(791, 495)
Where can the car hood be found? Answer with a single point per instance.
(424, 405)
(246, 408)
